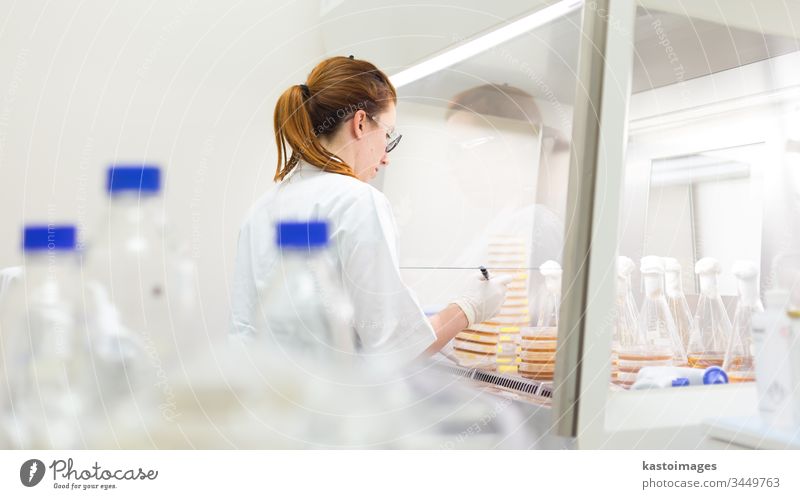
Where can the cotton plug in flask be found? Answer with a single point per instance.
(676, 299)
(626, 317)
(739, 356)
(538, 344)
(656, 342)
(712, 328)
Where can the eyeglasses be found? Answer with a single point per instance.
(392, 137)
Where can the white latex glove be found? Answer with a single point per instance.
(482, 299)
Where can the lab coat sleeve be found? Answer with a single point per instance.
(244, 291)
(388, 318)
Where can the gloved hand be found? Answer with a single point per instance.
(482, 299)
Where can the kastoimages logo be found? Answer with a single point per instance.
(31, 472)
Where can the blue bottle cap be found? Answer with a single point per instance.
(144, 179)
(48, 238)
(302, 235)
(715, 375)
(680, 382)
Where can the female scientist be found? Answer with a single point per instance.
(333, 135)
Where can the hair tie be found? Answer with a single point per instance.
(306, 91)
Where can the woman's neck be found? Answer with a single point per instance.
(343, 149)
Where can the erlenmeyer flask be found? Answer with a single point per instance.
(656, 342)
(626, 315)
(712, 328)
(739, 354)
(676, 300)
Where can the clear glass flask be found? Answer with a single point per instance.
(676, 300)
(656, 342)
(712, 328)
(739, 356)
(626, 318)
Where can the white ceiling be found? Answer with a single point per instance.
(394, 35)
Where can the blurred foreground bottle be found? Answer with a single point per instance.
(141, 307)
(303, 306)
(46, 348)
(134, 274)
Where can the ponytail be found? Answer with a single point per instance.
(293, 126)
(336, 88)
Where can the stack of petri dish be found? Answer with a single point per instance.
(538, 352)
(538, 344)
(494, 344)
(509, 255)
(477, 346)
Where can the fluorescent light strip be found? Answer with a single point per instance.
(484, 42)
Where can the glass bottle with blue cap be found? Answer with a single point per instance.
(45, 353)
(132, 267)
(140, 298)
(303, 310)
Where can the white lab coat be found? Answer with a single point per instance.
(388, 319)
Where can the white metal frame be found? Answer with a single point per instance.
(585, 407)
(600, 119)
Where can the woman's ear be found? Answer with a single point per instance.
(359, 123)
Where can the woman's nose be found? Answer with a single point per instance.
(385, 159)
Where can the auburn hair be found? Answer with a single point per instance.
(334, 90)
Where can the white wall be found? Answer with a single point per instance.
(728, 217)
(669, 229)
(188, 84)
